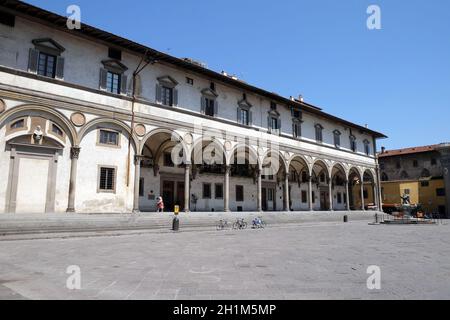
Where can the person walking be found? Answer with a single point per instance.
(160, 205)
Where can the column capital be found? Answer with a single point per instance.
(138, 158)
(75, 152)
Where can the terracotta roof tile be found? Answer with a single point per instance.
(412, 150)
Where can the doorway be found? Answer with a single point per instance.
(173, 194)
(268, 199)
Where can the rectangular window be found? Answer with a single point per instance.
(440, 192)
(114, 54)
(167, 96)
(218, 192)
(209, 107)
(424, 184)
(113, 82)
(206, 191)
(433, 161)
(107, 179)
(273, 106)
(397, 165)
(339, 197)
(367, 148)
(168, 160)
(46, 65)
(415, 164)
(366, 194)
(190, 81)
(239, 193)
(304, 197)
(337, 139)
(296, 130)
(313, 197)
(274, 123)
(108, 137)
(244, 117)
(353, 146)
(319, 137)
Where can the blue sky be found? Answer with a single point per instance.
(396, 80)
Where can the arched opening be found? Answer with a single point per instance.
(369, 190)
(273, 188)
(162, 171)
(208, 171)
(243, 188)
(320, 188)
(355, 189)
(339, 187)
(299, 183)
(37, 150)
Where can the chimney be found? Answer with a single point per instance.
(300, 97)
(383, 149)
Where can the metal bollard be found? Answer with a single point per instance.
(175, 224)
(376, 217)
(345, 218)
(176, 221)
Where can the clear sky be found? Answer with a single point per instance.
(396, 80)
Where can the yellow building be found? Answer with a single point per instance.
(425, 192)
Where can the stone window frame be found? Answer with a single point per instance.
(50, 47)
(353, 143)
(366, 147)
(337, 138)
(119, 138)
(318, 128)
(273, 114)
(209, 94)
(244, 105)
(167, 82)
(116, 67)
(114, 189)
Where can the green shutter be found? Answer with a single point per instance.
(175, 97)
(123, 84)
(158, 93)
(103, 77)
(59, 68)
(33, 60)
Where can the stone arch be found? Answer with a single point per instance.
(252, 154)
(336, 169)
(321, 163)
(198, 148)
(91, 125)
(173, 134)
(299, 164)
(52, 114)
(283, 165)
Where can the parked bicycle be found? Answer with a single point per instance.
(223, 225)
(240, 224)
(258, 223)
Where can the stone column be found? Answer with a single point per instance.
(444, 150)
(74, 154)
(226, 187)
(137, 177)
(259, 198)
(330, 193)
(187, 182)
(286, 192)
(375, 195)
(310, 193)
(362, 195)
(347, 195)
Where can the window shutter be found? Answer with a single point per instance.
(279, 124)
(202, 105)
(175, 97)
(33, 60)
(103, 77)
(269, 124)
(123, 84)
(239, 115)
(250, 118)
(216, 108)
(293, 131)
(60, 68)
(158, 93)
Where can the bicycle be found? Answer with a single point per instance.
(222, 225)
(258, 223)
(240, 224)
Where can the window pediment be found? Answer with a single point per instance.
(168, 81)
(337, 132)
(318, 126)
(114, 65)
(274, 113)
(244, 104)
(210, 93)
(48, 45)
